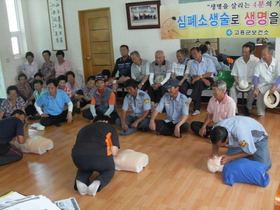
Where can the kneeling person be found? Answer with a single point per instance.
(245, 136)
(95, 153)
(140, 104)
(11, 128)
(177, 109)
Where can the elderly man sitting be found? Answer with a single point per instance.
(220, 107)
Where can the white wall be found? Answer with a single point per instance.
(36, 21)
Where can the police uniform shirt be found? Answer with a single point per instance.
(244, 132)
(140, 104)
(175, 108)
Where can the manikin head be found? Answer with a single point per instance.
(214, 164)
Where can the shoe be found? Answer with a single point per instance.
(246, 111)
(40, 127)
(93, 187)
(196, 112)
(35, 125)
(82, 187)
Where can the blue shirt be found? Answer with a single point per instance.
(53, 106)
(244, 132)
(140, 104)
(175, 108)
(205, 66)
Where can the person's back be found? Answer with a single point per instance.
(9, 127)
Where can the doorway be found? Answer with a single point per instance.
(96, 39)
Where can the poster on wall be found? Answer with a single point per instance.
(212, 19)
(57, 27)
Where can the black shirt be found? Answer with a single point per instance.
(124, 67)
(96, 139)
(9, 128)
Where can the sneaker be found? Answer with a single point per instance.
(35, 125)
(40, 127)
(196, 112)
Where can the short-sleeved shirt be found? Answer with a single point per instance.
(161, 70)
(222, 110)
(8, 109)
(30, 69)
(25, 90)
(214, 59)
(61, 69)
(87, 92)
(205, 66)
(267, 74)
(122, 67)
(36, 94)
(96, 139)
(10, 128)
(140, 104)
(66, 90)
(244, 132)
(175, 108)
(48, 68)
(77, 86)
(53, 106)
(139, 72)
(103, 101)
(179, 68)
(244, 71)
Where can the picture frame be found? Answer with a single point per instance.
(143, 15)
(57, 26)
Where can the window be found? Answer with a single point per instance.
(15, 27)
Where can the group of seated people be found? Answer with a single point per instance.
(152, 89)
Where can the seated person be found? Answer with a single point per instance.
(179, 70)
(72, 84)
(245, 136)
(222, 59)
(24, 88)
(204, 53)
(12, 103)
(40, 76)
(177, 111)
(140, 103)
(38, 86)
(220, 107)
(30, 67)
(53, 102)
(201, 70)
(61, 66)
(95, 153)
(11, 129)
(103, 101)
(140, 71)
(107, 75)
(48, 66)
(62, 84)
(160, 68)
(84, 95)
(122, 70)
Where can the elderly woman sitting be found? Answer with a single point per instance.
(61, 66)
(12, 103)
(24, 88)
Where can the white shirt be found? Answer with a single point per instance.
(30, 69)
(244, 71)
(267, 74)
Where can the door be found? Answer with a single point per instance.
(96, 39)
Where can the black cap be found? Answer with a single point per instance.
(172, 83)
(99, 77)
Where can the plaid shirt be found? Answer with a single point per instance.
(8, 109)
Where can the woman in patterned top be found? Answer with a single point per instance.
(12, 103)
(62, 84)
(48, 67)
(24, 88)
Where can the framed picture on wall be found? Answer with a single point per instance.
(57, 26)
(143, 15)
